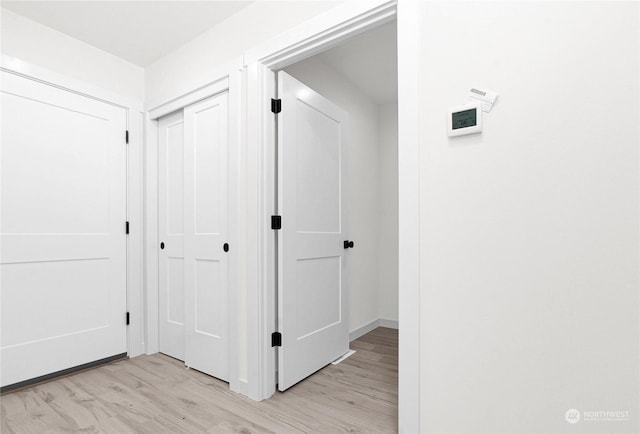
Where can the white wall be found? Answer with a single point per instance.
(225, 42)
(362, 179)
(42, 46)
(388, 211)
(529, 231)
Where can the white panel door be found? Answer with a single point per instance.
(171, 234)
(312, 292)
(205, 234)
(63, 265)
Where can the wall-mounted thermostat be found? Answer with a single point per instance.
(465, 119)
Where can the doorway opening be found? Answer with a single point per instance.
(359, 77)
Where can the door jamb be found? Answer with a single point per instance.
(300, 42)
(409, 207)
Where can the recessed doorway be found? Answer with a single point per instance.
(359, 78)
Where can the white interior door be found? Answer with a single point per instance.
(205, 235)
(312, 291)
(171, 234)
(63, 241)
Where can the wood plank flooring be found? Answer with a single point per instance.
(156, 394)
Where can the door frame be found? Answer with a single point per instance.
(134, 182)
(227, 78)
(312, 37)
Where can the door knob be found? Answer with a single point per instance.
(161, 246)
(225, 247)
(348, 244)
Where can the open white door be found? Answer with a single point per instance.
(312, 280)
(171, 234)
(205, 236)
(63, 230)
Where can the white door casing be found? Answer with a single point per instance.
(205, 233)
(63, 240)
(312, 280)
(171, 234)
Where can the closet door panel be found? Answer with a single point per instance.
(205, 224)
(171, 231)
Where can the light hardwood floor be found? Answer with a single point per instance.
(156, 394)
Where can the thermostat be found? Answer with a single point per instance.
(465, 119)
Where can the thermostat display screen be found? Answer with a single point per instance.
(464, 119)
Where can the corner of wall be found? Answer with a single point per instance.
(45, 47)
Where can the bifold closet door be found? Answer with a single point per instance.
(205, 236)
(171, 234)
(63, 241)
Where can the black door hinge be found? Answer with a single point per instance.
(276, 339)
(126, 228)
(127, 318)
(126, 136)
(276, 105)
(276, 222)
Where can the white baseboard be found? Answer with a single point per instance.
(363, 330)
(389, 323)
(242, 387)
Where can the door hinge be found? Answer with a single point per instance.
(127, 318)
(276, 339)
(276, 105)
(276, 222)
(126, 228)
(126, 136)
